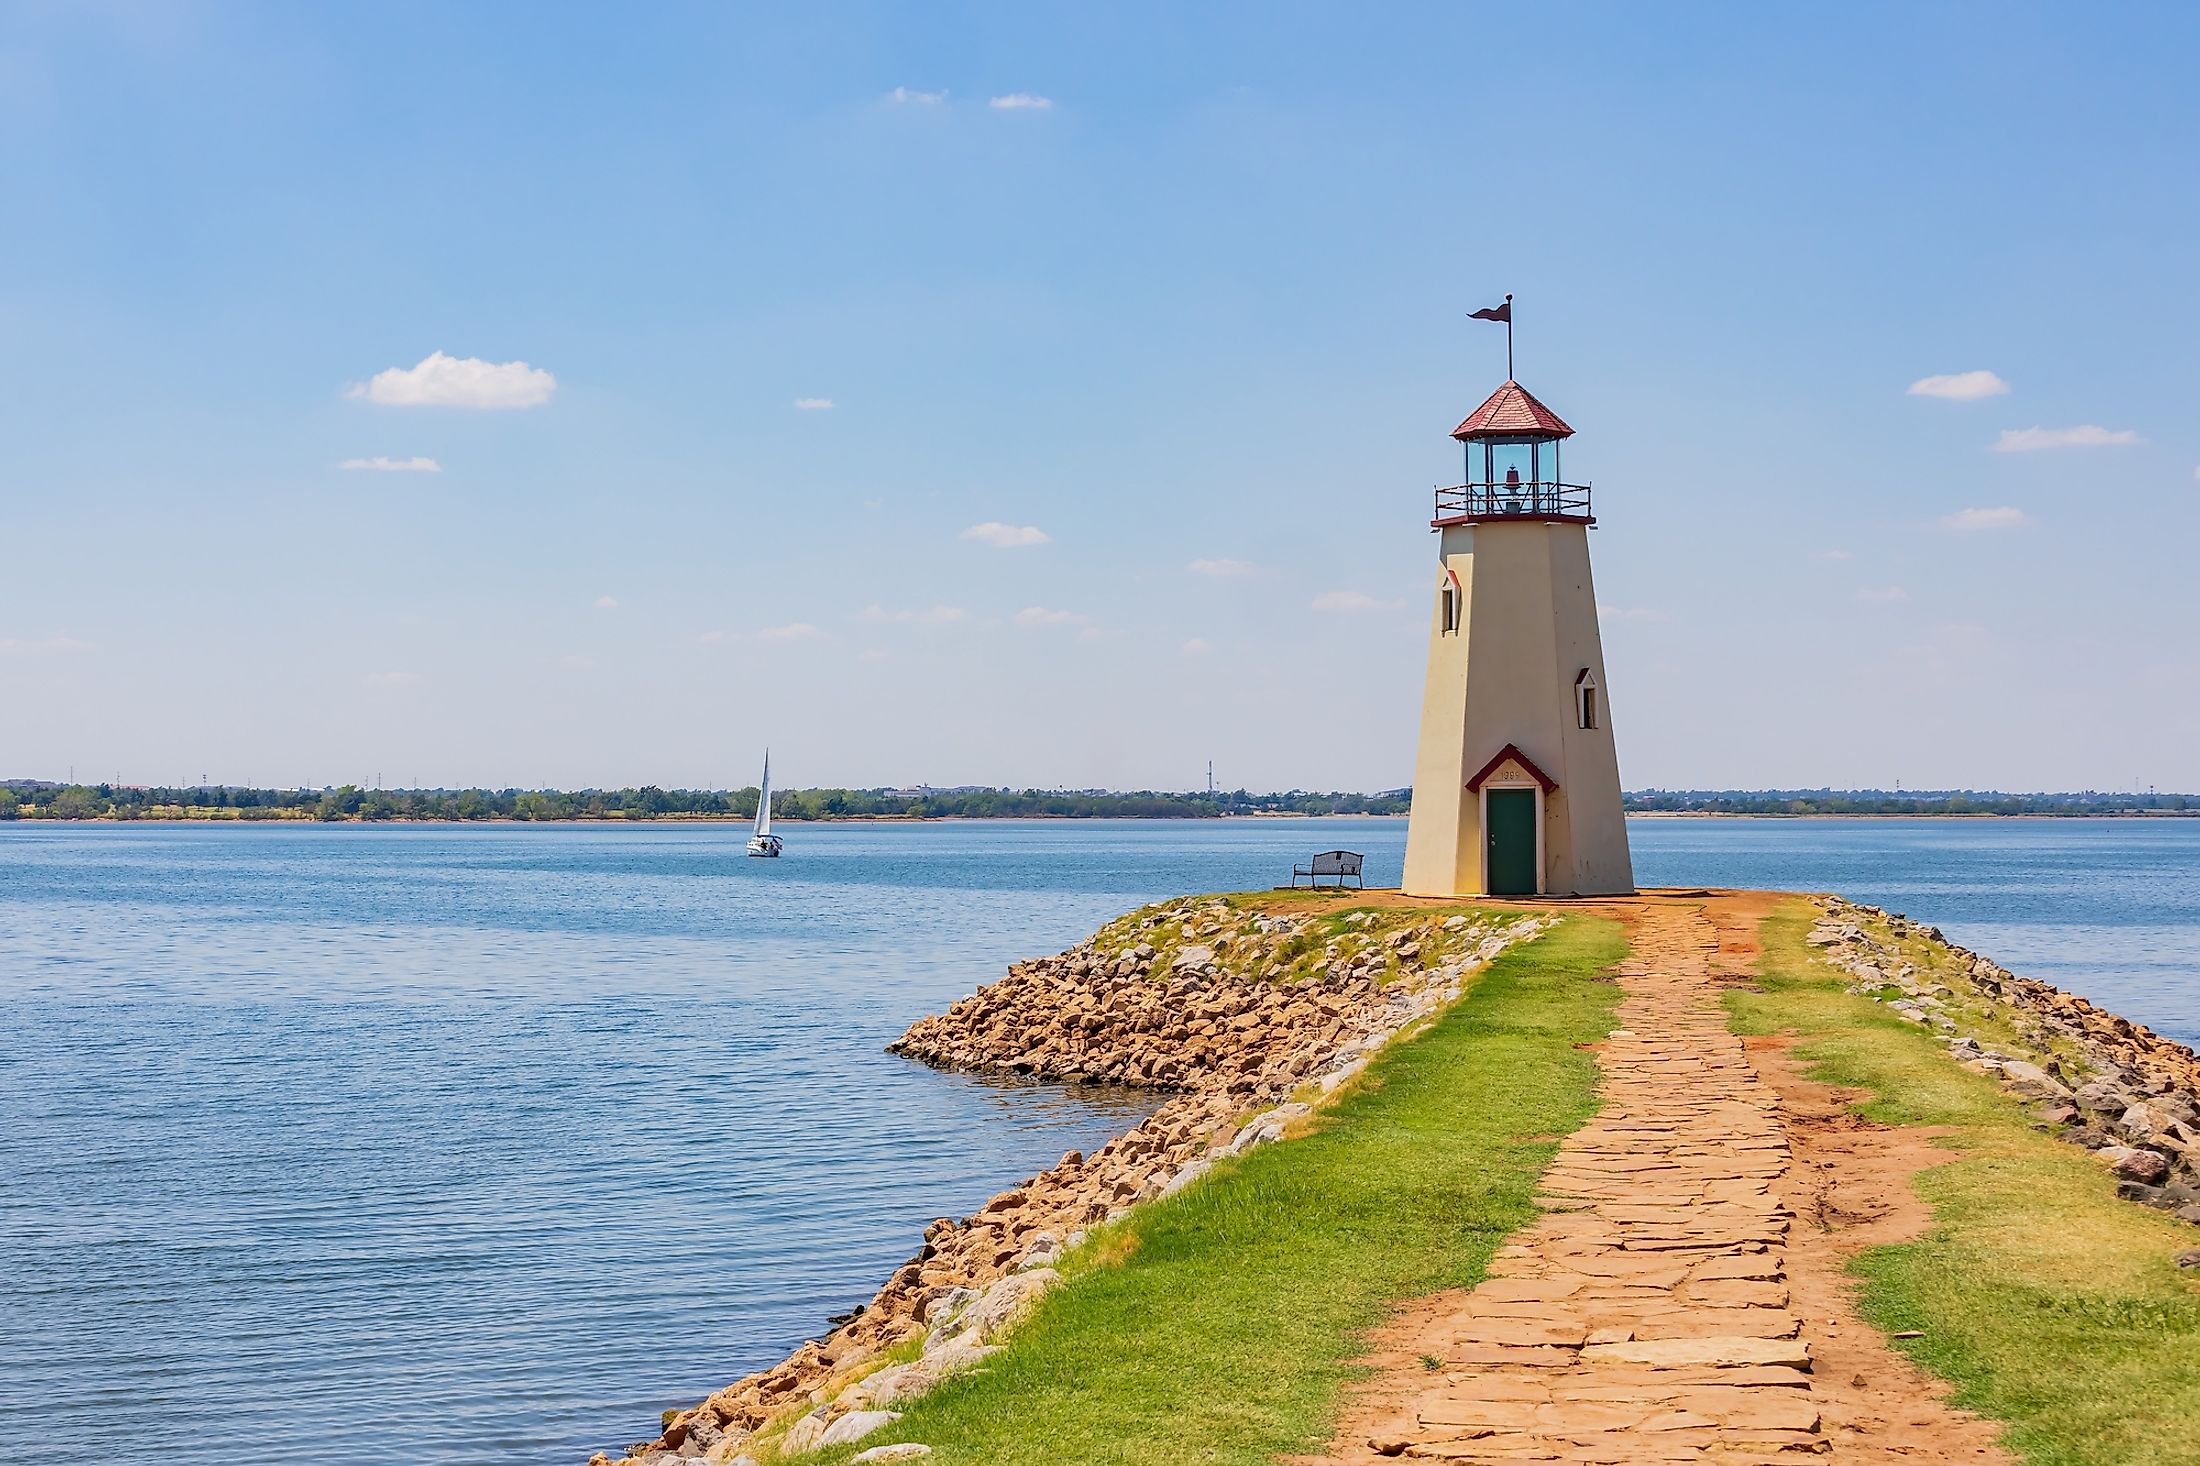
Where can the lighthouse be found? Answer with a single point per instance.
(1516, 785)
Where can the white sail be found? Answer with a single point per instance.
(764, 800)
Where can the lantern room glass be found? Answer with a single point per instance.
(1495, 461)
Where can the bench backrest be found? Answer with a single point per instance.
(1337, 863)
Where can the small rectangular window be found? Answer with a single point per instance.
(1588, 707)
(1451, 609)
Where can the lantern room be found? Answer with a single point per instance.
(1512, 465)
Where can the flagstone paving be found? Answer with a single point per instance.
(1647, 1317)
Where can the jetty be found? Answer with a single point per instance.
(1676, 1176)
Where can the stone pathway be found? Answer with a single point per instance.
(1646, 1317)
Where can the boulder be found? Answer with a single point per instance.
(2154, 1196)
(900, 1382)
(701, 1432)
(1185, 1177)
(2101, 1094)
(901, 1451)
(1001, 1304)
(942, 1310)
(2143, 1122)
(1042, 1249)
(853, 1427)
(2020, 1070)
(803, 1434)
(2132, 1163)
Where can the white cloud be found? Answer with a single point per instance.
(904, 97)
(1352, 600)
(1006, 536)
(392, 679)
(936, 616)
(1831, 555)
(1224, 569)
(1021, 102)
(1198, 646)
(799, 631)
(2032, 440)
(813, 404)
(1631, 613)
(393, 465)
(42, 646)
(607, 603)
(712, 638)
(2006, 517)
(1959, 386)
(1041, 616)
(1882, 595)
(455, 381)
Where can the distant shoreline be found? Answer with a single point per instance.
(1058, 819)
(352, 803)
(1965, 816)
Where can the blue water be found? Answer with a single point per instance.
(483, 1145)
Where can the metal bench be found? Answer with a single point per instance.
(1336, 865)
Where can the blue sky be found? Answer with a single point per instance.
(1167, 286)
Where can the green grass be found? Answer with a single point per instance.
(1334, 925)
(2047, 1301)
(1220, 1325)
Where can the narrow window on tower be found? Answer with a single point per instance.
(1451, 608)
(1585, 699)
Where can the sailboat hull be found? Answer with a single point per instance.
(766, 846)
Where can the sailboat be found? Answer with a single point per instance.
(764, 842)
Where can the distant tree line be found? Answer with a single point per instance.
(34, 799)
(31, 799)
(1902, 802)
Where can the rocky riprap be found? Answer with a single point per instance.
(2113, 1086)
(1249, 1017)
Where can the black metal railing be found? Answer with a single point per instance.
(1523, 500)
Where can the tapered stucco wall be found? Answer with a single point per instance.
(1527, 629)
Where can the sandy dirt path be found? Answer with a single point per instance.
(1682, 1298)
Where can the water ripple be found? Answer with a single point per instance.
(483, 1145)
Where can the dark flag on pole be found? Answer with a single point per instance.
(1500, 313)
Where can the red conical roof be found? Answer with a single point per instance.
(1512, 412)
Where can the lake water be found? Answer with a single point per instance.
(457, 1146)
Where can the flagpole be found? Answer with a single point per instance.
(1508, 336)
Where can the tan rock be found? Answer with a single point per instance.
(1715, 1351)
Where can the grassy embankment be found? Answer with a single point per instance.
(2049, 1303)
(1220, 1325)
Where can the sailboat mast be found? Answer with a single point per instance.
(764, 798)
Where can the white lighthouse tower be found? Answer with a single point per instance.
(1516, 787)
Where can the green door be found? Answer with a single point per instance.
(1511, 836)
